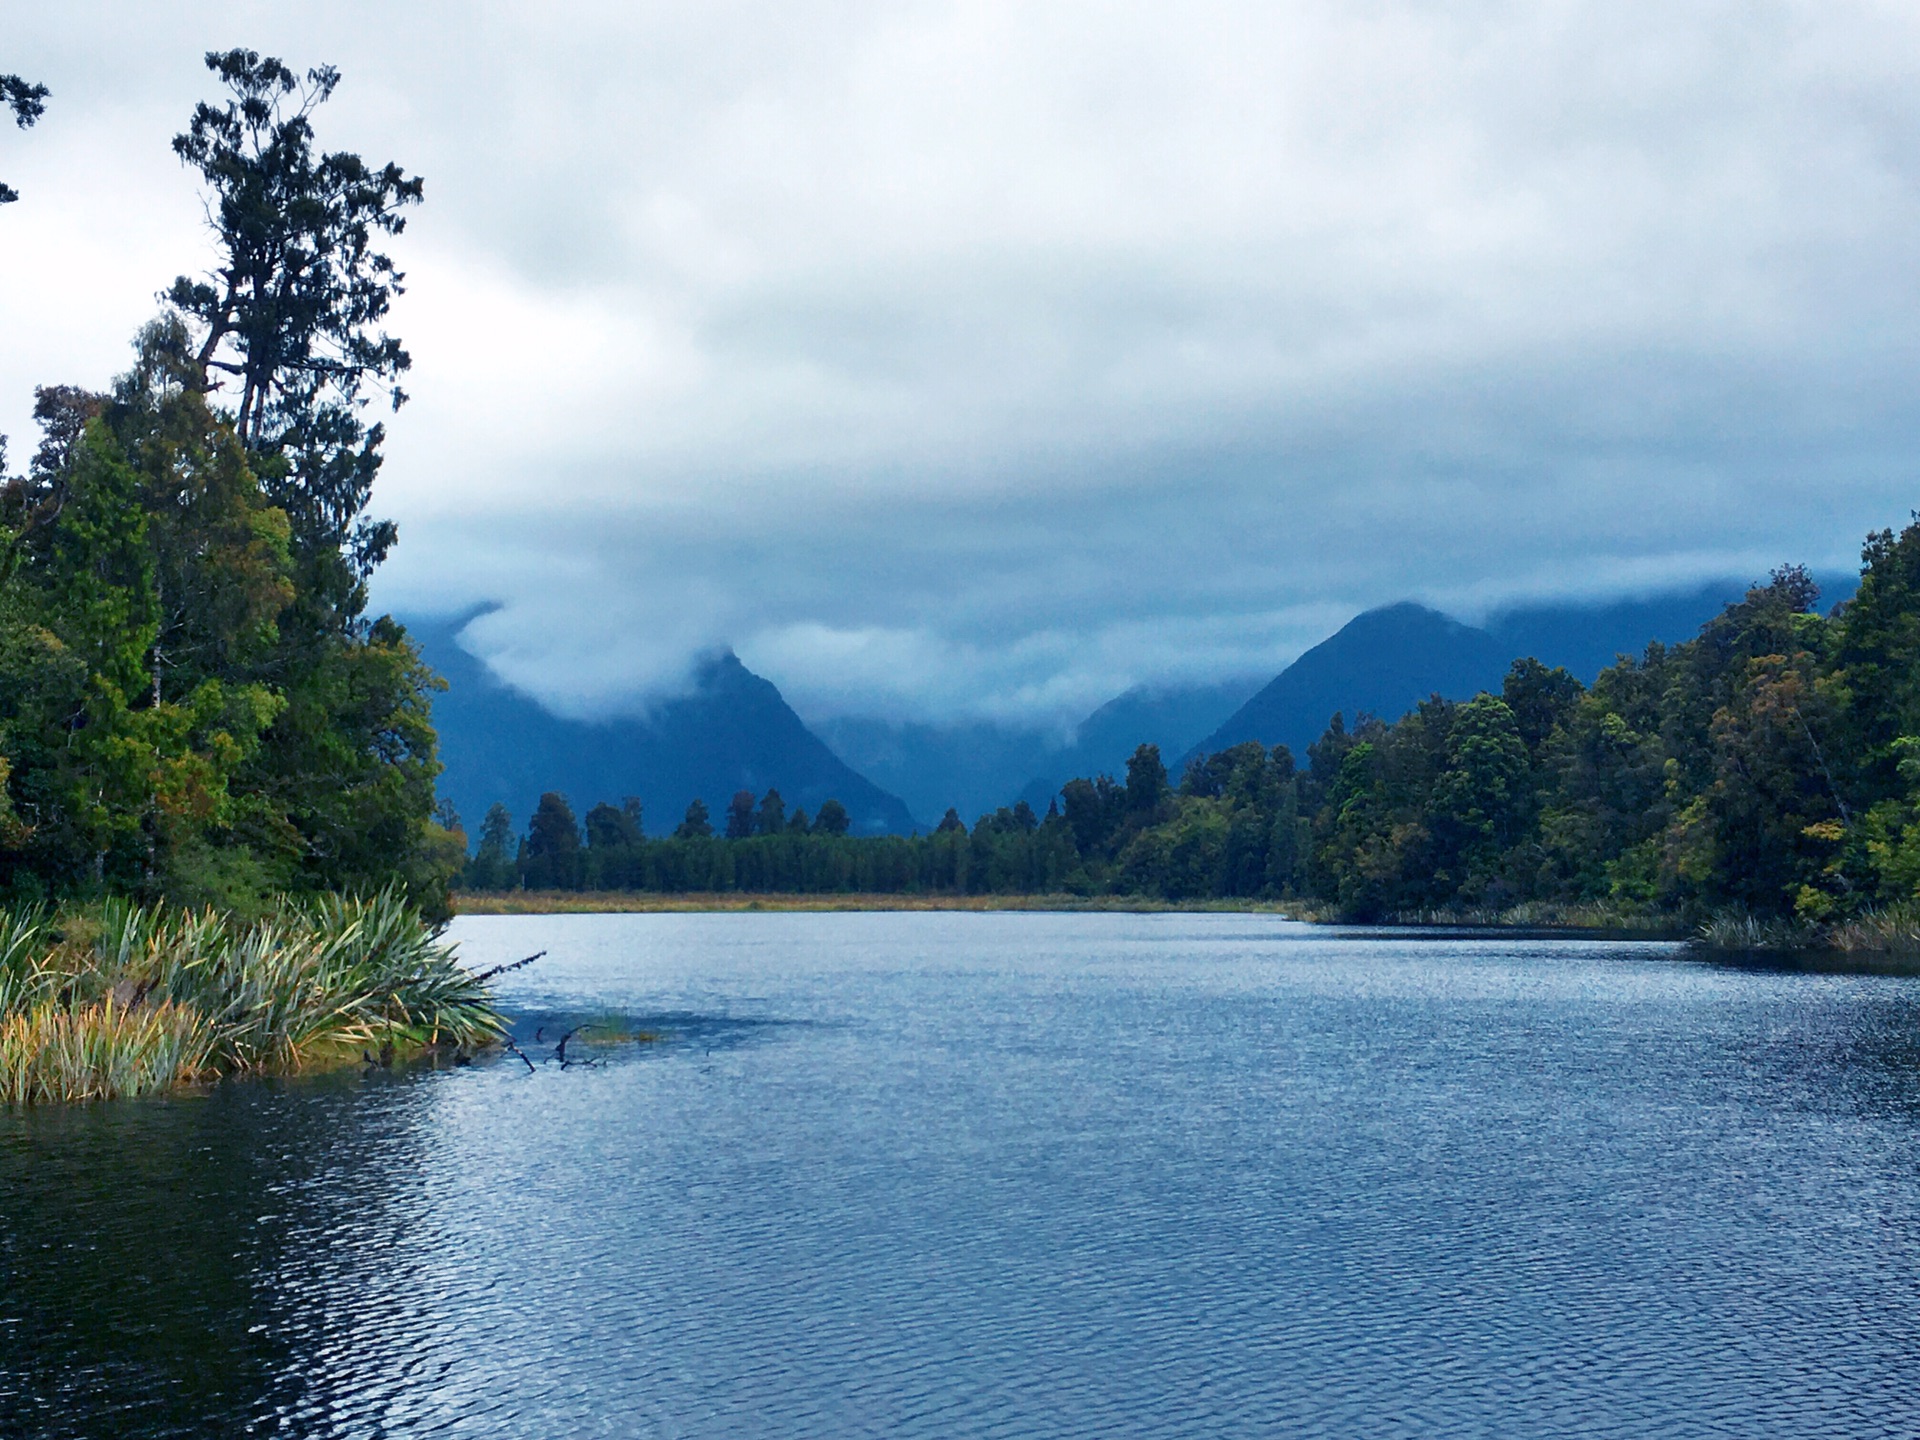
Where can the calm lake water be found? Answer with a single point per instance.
(1016, 1174)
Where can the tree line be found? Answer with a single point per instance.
(1770, 766)
(195, 705)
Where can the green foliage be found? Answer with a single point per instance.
(191, 706)
(492, 866)
(740, 815)
(291, 308)
(1760, 770)
(1183, 858)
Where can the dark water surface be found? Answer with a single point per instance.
(1023, 1175)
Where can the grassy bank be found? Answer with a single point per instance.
(1892, 932)
(125, 1000)
(1594, 916)
(1889, 933)
(617, 902)
(630, 902)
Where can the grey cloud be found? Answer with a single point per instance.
(978, 359)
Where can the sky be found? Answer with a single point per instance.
(978, 361)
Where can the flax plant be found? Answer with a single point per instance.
(129, 1000)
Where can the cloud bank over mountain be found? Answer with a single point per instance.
(988, 359)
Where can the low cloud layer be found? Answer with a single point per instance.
(982, 360)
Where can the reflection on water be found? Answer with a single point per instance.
(954, 1175)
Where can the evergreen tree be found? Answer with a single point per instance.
(832, 819)
(615, 846)
(740, 815)
(1146, 782)
(696, 825)
(492, 865)
(291, 308)
(550, 859)
(1095, 810)
(609, 828)
(289, 319)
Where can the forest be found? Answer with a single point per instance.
(1765, 772)
(195, 706)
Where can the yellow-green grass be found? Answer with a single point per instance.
(1599, 915)
(128, 1000)
(1892, 931)
(623, 902)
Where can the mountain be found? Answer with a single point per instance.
(1384, 662)
(1387, 661)
(1587, 639)
(733, 732)
(1171, 717)
(973, 767)
(978, 767)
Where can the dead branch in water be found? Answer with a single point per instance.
(508, 969)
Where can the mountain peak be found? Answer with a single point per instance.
(1383, 662)
(733, 731)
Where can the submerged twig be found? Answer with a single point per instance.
(560, 1050)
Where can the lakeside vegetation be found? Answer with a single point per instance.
(205, 740)
(125, 999)
(633, 902)
(1758, 785)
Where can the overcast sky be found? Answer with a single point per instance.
(985, 359)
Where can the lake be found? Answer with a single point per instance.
(1012, 1174)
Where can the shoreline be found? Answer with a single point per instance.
(1524, 922)
(618, 902)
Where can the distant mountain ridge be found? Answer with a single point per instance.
(1386, 661)
(971, 766)
(733, 732)
(976, 766)
(1167, 716)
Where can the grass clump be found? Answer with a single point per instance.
(128, 999)
(1892, 931)
(1600, 915)
(54, 1053)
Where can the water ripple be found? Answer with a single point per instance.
(1030, 1175)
